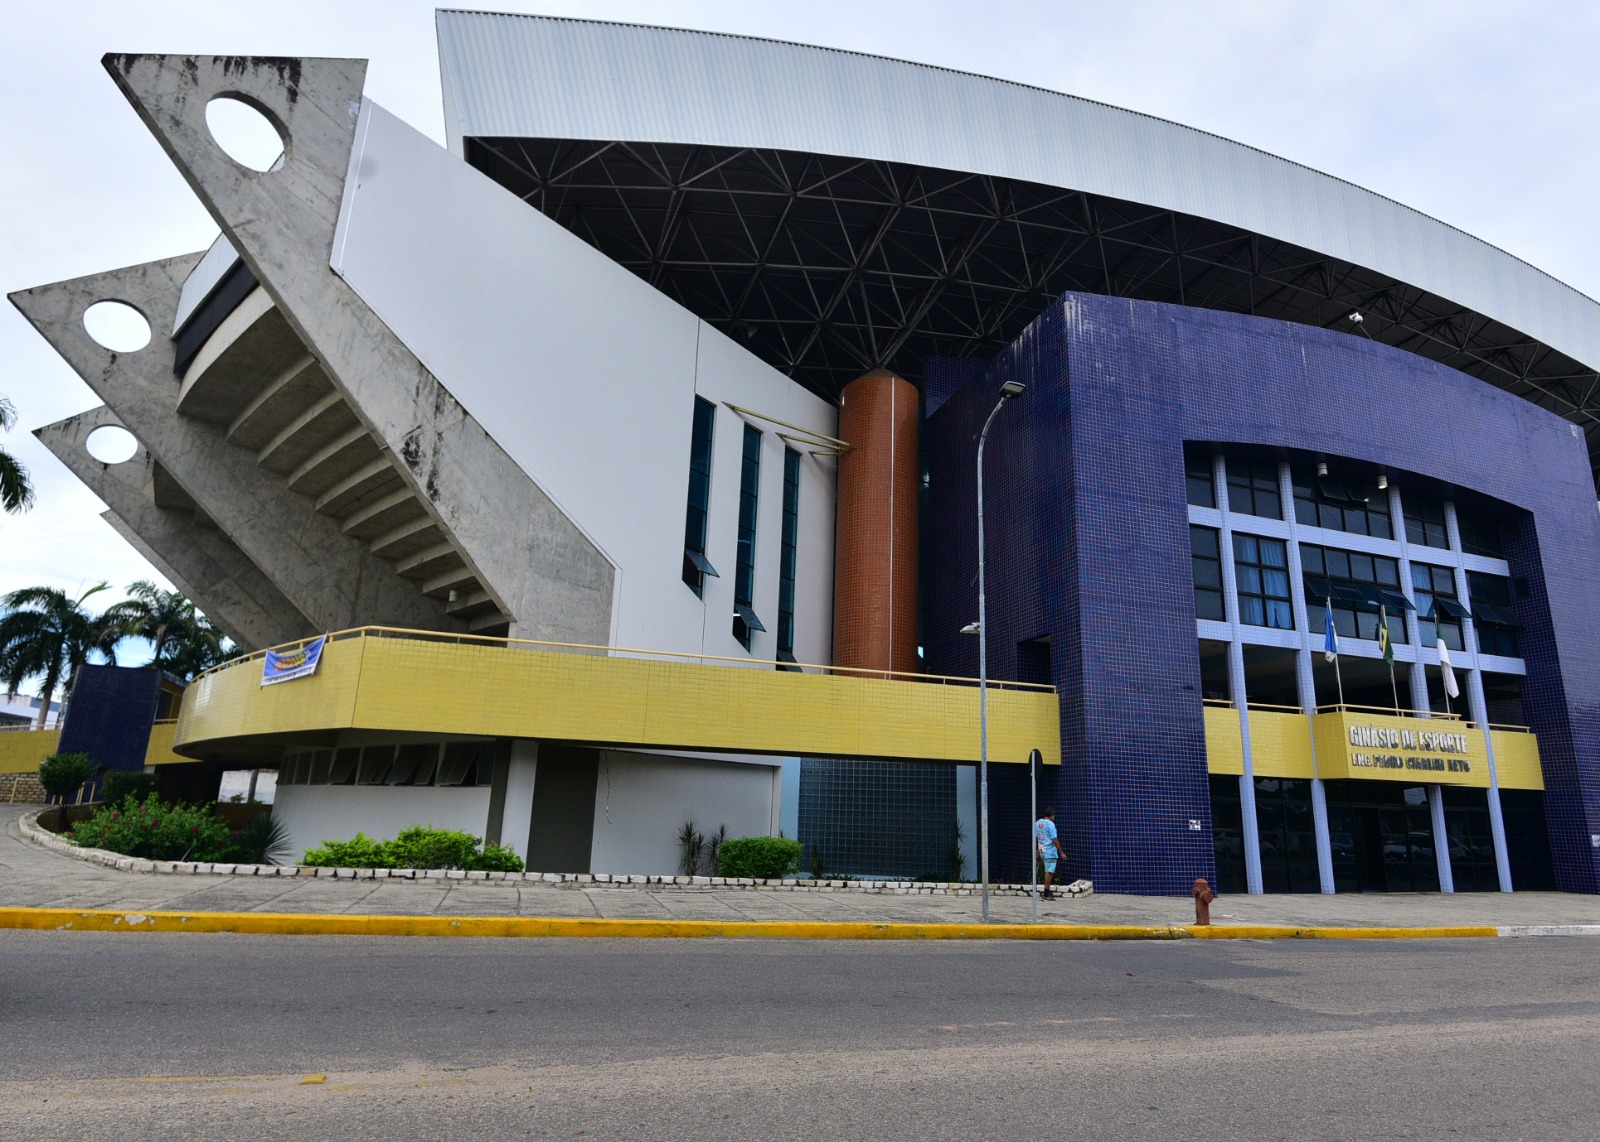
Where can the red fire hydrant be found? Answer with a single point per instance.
(1203, 896)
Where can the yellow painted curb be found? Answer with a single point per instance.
(339, 924)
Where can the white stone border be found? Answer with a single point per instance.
(33, 831)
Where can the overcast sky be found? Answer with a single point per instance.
(1483, 115)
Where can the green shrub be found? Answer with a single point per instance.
(118, 784)
(496, 858)
(263, 840)
(764, 858)
(62, 774)
(420, 846)
(154, 829)
(361, 851)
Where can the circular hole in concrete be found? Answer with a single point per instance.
(245, 135)
(117, 326)
(110, 444)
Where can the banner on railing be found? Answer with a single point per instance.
(284, 666)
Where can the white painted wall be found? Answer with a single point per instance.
(317, 813)
(586, 375)
(641, 800)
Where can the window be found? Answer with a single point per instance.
(1439, 611)
(1479, 536)
(1197, 472)
(1253, 488)
(1492, 615)
(1205, 551)
(786, 556)
(744, 579)
(1261, 571)
(1357, 585)
(1425, 522)
(1340, 504)
(695, 565)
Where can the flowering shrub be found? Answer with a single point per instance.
(154, 829)
(420, 846)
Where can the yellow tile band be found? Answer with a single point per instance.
(435, 686)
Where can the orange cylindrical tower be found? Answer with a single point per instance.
(875, 554)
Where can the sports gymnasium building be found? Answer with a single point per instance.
(625, 446)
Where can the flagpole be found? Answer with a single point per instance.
(1387, 645)
(1338, 675)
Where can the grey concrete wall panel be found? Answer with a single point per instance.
(331, 578)
(546, 77)
(540, 569)
(199, 559)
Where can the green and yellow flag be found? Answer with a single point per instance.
(1383, 635)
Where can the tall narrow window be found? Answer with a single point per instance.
(786, 560)
(695, 565)
(1206, 558)
(744, 579)
(1199, 477)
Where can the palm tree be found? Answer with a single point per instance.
(46, 634)
(16, 493)
(186, 642)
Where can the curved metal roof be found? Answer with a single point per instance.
(844, 211)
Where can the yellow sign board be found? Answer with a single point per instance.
(1378, 747)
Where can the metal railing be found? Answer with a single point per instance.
(452, 638)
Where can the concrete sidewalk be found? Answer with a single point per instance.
(34, 877)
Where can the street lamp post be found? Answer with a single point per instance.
(1008, 391)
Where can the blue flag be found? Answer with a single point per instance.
(1330, 638)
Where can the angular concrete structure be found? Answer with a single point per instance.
(171, 530)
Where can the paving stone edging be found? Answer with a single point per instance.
(33, 831)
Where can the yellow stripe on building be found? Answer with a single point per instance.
(405, 682)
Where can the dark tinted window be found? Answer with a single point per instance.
(1438, 616)
(1492, 616)
(1340, 504)
(1197, 472)
(1359, 587)
(789, 551)
(744, 580)
(1206, 556)
(695, 565)
(1479, 536)
(1425, 521)
(1253, 488)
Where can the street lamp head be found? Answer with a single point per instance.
(971, 628)
(1011, 389)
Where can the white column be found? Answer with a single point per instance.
(1230, 603)
(1419, 689)
(1441, 838)
(1417, 672)
(1305, 681)
(517, 816)
(1478, 706)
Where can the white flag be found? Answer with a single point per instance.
(1450, 686)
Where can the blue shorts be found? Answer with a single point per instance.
(1049, 863)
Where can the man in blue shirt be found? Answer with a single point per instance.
(1049, 848)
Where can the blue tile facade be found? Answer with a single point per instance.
(1088, 547)
(109, 715)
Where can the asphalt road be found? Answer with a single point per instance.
(163, 1037)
